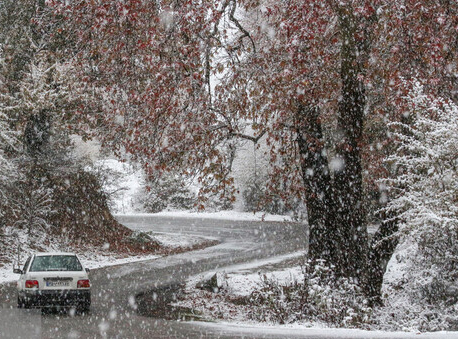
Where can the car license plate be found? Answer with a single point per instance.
(57, 283)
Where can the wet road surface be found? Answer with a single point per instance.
(117, 291)
(121, 294)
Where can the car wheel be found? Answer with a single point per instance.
(85, 306)
(20, 302)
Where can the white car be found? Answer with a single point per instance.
(53, 279)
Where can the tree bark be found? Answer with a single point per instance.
(382, 247)
(334, 187)
(318, 185)
(348, 182)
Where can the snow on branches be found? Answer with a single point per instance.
(7, 140)
(425, 163)
(422, 272)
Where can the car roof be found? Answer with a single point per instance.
(53, 253)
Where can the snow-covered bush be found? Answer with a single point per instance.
(278, 303)
(321, 297)
(421, 281)
(257, 197)
(32, 200)
(8, 169)
(169, 192)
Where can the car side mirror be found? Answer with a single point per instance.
(88, 270)
(17, 271)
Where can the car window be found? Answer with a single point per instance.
(26, 264)
(55, 263)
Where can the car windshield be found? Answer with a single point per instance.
(55, 263)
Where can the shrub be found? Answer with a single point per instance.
(171, 192)
(321, 297)
(256, 198)
(424, 200)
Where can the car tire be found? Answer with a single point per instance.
(21, 303)
(85, 306)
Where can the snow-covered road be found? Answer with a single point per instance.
(116, 289)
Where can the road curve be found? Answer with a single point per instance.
(115, 290)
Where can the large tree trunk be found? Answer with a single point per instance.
(348, 186)
(318, 185)
(334, 199)
(334, 182)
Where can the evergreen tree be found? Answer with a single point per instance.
(424, 200)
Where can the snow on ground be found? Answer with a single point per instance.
(231, 313)
(240, 280)
(221, 215)
(244, 285)
(234, 283)
(7, 275)
(173, 241)
(98, 261)
(300, 331)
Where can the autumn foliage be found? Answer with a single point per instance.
(174, 84)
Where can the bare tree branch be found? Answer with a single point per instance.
(239, 26)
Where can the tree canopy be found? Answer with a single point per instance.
(173, 84)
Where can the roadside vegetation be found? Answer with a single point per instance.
(419, 290)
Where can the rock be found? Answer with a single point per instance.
(212, 282)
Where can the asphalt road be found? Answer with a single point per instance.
(120, 294)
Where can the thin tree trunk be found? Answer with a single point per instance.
(382, 247)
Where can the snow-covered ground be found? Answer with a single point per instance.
(221, 215)
(241, 280)
(237, 281)
(300, 331)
